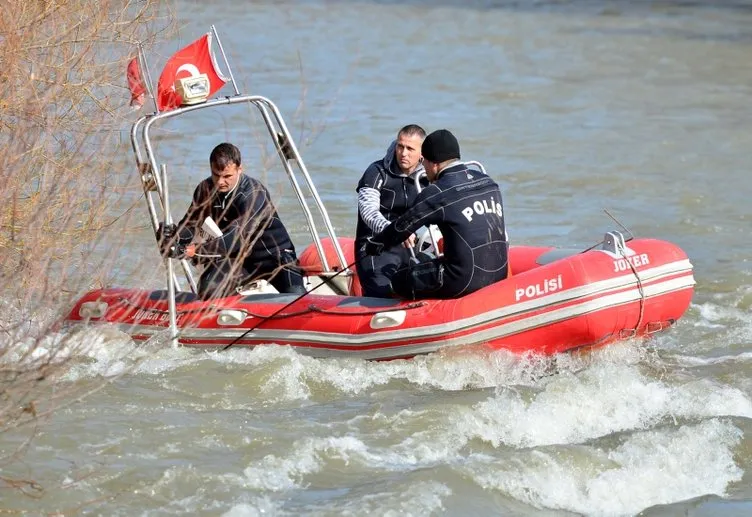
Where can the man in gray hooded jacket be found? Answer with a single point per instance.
(386, 190)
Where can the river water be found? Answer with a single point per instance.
(640, 108)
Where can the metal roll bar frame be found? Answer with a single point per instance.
(154, 187)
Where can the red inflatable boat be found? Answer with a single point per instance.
(555, 299)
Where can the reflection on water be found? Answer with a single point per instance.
(636, 107)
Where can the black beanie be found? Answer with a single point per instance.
(440, 146)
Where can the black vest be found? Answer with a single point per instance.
(398, 193)
(466, 205)
(251, 226)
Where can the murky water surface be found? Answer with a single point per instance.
(640, 108)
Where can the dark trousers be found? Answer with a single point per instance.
(220, 279)
(420, 278)
(375, 273)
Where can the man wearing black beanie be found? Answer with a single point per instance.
(466, 205)
(440, 146)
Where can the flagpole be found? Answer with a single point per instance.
(224, 56)
(145, 68)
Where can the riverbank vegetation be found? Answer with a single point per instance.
(64, 111)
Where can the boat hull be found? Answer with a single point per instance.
(554, 301)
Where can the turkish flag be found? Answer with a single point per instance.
(135, 83)
(193, 60)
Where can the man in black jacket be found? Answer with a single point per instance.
(254, 242)
(466, 205)
(385, 191)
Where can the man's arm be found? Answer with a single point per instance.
(369, 206)
(369, 199)
(254, 209)
(428, 209)
(187, 229)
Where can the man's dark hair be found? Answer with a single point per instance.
(412, 130)
(224, 154)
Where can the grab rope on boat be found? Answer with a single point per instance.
(126, 301)
(261, 321)
(277, 316)
(370, 312)
(321, 310)
(620, 247)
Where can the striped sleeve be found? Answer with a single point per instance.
(369, 206)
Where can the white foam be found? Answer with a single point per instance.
(106, 352)
(742, 357)
(599, 401)
(260, 506)
(722, 313)
(307, 457)
(620, 476)
(571, 409)
(291, 376)
(648, 468)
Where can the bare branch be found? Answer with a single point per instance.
(63, 101)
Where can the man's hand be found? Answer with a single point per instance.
(166, 233)
(166, 238)
(372, 247)
(175, 251)
(173, 243)
(409, 242)
(179, 252)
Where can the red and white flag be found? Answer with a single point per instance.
(193, 60)
(135, 83)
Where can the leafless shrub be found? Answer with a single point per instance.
(63, 101)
